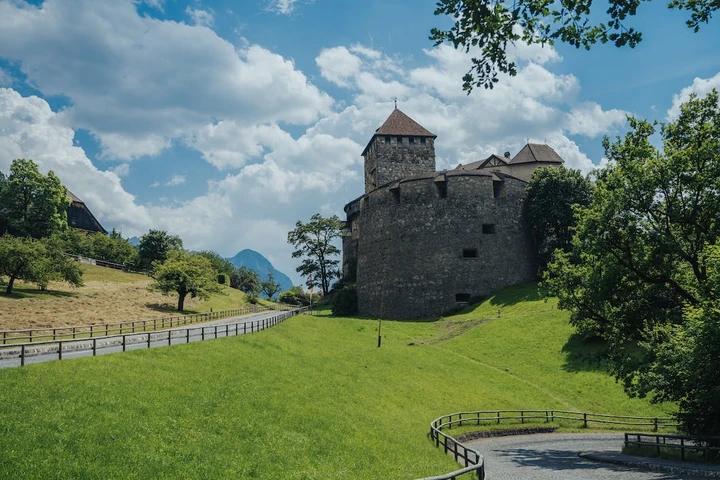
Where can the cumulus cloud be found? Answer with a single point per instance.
(699, 87)
(175, 180)
(137, 82)
(283, 7)
(200, 17)
(121, 170)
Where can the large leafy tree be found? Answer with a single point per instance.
(642, 273)
(552, 196)
(39, 261)
(184, 274)
(33, 205)
(314, 241)
(220, 264)
(493, 26)
(156, 245)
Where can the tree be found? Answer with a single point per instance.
(642, 273)
(313, 240)
(269, 286)
(491, 26)
(220, 264)
(246, 280)
(552, 195)
(295, 296)
(39, 261)
(156, 245)
(32, 204)
(185, 274)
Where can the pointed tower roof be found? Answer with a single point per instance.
(399, 124)
(535, 152)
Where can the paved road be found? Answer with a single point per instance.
(554, 456)
(83, 348)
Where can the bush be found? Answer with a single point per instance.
(295, 296)
(344, 301)
(252, 299)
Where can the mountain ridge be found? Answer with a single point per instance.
(262, 266)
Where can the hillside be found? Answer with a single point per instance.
(108, 296)
(310, 398)
(257, 262)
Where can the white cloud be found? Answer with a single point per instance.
(122, 170)
(591, 120)
(700, 87)
(175, 180)
(6, 79)
(137, 82)
(200, 17)
(283, 7)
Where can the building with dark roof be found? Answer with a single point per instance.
(419, 242)
(79, 216)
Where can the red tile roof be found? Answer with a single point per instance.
(400, 124)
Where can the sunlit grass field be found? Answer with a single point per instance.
(108, 296)
(312, 398)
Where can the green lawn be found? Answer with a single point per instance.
(313, 398)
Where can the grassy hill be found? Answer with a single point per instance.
(108, 296)
(310, 398)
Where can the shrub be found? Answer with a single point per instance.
(344, 301)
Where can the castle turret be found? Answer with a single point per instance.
(401, 147)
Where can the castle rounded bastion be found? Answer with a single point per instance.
(420, 242)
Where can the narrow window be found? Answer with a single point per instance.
(412, 140)
(387, 140)
(422, 141)
(498, 188)
(462, 297)
(396, 194)
(441, 189)
(470, 252)
(488, 228)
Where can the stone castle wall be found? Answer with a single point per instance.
(385, 162)
(427, 244)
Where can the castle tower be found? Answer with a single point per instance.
(399, 148)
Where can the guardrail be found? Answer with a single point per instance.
(106, 329)
(141, 340)
(475, 463)
(677, 442)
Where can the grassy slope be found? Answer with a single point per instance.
(311, 398)
(108, 296)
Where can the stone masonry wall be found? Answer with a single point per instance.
(385, 163)
(411, 244)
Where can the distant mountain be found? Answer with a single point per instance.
(255, 261)
(134, 241)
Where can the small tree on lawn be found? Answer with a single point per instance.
(156, 245)
(185, 274)
(35, 261)
(269, 286)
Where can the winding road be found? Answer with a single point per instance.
(554, 456)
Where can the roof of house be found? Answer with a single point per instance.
(399, 124)
(535, 152)
(479, 164)
(85, 220)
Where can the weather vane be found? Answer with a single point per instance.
(395, 103)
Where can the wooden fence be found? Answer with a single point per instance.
(133, 341)
(106, 329)
(674, 442)
(473, 461)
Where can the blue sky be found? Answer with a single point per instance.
(225, 122)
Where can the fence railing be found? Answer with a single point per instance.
(104, 263)
(474, 462)
(118, 343)
(105, 329)
(674, 442)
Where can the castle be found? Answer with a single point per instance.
(419, 242)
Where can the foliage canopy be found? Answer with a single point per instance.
(493, 26)
(32, 204)
(185, 274)
(313, 240)
(643, 270)
(156, 245)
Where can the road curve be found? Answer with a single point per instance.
(554, 456)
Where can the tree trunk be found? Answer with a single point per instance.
(10, 285)
(181, 300)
